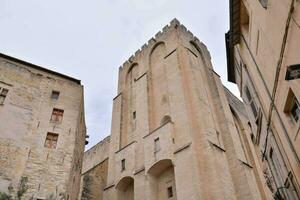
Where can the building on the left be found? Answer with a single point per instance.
(42, 131)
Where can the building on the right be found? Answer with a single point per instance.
(263, 59)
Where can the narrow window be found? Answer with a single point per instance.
(134, 115)
(3, 94)
(156, 145)
(57, 115)
(55, 95)
(292, 106)
(251, 102)
(51, 140)
(123, 164)
(170, 192)
(295, 110)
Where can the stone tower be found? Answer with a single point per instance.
(173, 133)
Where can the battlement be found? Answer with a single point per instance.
(174, 24)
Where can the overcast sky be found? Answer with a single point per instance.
(90, 39)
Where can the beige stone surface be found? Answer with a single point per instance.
(24, 123)
(261, 57)
(177, 133)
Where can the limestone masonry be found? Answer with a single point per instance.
(177, 133)
(42, 131)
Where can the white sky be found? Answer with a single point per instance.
(90, 39)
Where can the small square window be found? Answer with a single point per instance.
(51, 140)
(170, 192)
(55, 95)
(57, 115)
(3, 94)
(123, 164)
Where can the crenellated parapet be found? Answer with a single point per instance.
(174, 24)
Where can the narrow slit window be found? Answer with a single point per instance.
(123, 164)
(3, 94)
(156, 145)
(51, 140)
(57, 115)
(134, 115)
(170, 192)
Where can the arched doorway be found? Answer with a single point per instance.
(125, 188)
(162, 180)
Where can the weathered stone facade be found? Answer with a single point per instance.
(177, 133)
(42, 130)
(94, 171)
(264, 62)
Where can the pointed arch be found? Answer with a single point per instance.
(162, 180)
(129, 105)
(125, 188)
(158, 85)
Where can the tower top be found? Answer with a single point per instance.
(174, 24)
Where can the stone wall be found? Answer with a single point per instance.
(25, 122)
(94, 171)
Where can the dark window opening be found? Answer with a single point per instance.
(51, 140)
(156, 145)
(170, 192)
(55, 94)
(123, 164)
(295, 110)
(292, 72)
(57, 115)
(3, 94)
(292, 106)
(134, 115)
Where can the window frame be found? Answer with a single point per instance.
(52, 139)
(55, 94)
(3, 95)
(57, 115)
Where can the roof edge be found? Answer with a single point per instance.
(39, 68)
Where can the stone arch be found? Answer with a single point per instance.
(162, 180)
(125, 188)
(165, 119)
(132, 72)
(129, 105)
(158, 86)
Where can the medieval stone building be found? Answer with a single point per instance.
(42, 131)
(176, 133)
(264, 61)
